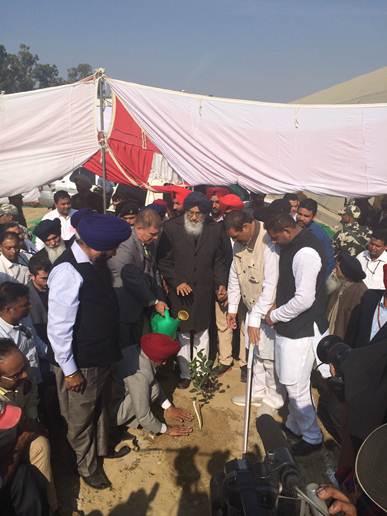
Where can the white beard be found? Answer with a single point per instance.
(332, 283)
(192, 228)
(54, 253)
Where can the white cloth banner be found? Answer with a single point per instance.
(44, 134)
(272, 148)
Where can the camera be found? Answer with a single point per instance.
(332, 350)
(252, 488)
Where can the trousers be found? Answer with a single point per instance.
(40, 457)
(201, 342)
(294, 359)
(224, 335)
(86, 416)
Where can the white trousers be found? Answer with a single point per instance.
(265, 383)
(201, 342)
(294, 359)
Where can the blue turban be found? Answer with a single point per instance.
(197, 199)
(100, 232)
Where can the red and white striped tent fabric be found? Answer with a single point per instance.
(156, 134)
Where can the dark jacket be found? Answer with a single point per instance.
(361, 322)
(135, 288)
(302, 325)
(198, 262)
(95, 332)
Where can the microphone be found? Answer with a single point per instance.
(278, 452)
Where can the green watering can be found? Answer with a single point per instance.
(166, 325)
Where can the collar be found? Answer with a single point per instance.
(8, 263)
(381, 303)
(79, 253)
(382, 258)
(6, 326)
(64, 217)
(251, 243)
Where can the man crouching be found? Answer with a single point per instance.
(133, 401)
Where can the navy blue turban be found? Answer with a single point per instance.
(197, 199)
(45, 228)
(100, 232)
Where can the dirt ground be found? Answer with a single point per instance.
(167, 476)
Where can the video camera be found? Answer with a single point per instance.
(248, 488)
(332, 350)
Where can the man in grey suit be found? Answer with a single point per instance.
(135, 277)
(133, 398)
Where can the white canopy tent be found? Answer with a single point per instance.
(274, 148)
(44, 134)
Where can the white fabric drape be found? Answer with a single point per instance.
(273, 148)
(44, 134)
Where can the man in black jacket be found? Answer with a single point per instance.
(82, 329)
(193, 267)
(299, 320)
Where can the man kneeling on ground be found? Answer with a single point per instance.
(132, 406)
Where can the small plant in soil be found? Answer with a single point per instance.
(205, 383)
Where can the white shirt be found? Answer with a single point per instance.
(269, 285)
(64, 283)
(373, 269)
(10, 271)
(67, 230)
(24, 337)
(306, 266)
(379, 319)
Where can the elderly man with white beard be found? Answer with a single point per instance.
(193, 267)
(49, 232)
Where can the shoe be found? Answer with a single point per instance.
(291, 436)
(240, 401)
(183, 383)
(113, 454)
(221, 369)
(98, 480)
(302, 448)
(244, 374)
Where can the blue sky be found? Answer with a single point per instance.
(274, 50)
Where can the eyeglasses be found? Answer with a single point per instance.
(16, 376)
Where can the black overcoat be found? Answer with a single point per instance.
(197, 261)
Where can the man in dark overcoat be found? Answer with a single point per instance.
(193, 267)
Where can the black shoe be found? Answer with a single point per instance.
(98, 480)
(244, 374)
(302, 448)
(183, 383)
(290, 436)
(221, 369)
(113, 454)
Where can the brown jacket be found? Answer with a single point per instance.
(348, 301)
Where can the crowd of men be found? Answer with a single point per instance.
(76, 305)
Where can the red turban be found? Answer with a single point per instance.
(159, 347)
(230, 202)
(179, 192)
(219, 191)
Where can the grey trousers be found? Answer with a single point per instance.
(86, 416)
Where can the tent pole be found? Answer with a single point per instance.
(102, 138)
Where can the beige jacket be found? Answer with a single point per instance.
(249, 267)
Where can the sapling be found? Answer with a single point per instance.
(204, 383)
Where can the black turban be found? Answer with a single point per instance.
(197, 199)
(351, 267)
(45, 228)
